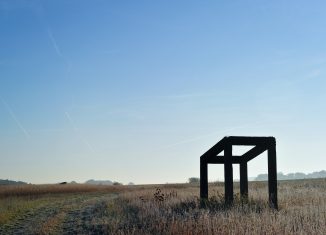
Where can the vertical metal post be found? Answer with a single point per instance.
(203, 180)
(243, 180)
(272, 175)
(228, 174)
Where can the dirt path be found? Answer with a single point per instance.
(88, 218)
(74, 214)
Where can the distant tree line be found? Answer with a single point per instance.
(102, 182)
(280, 176)
(293, 176)
(11, 182)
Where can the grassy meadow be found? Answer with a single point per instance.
(161, 209)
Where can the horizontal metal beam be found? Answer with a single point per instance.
(243, 140)
(221, 160)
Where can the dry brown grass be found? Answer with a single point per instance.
(50, 226)
(302, 211)
(173, 209)
(38, 190)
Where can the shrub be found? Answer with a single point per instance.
(193, 180)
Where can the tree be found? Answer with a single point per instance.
(193, 180)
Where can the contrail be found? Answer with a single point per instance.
(14, 117)
(54, 43)
(57, 48)
(90, 147)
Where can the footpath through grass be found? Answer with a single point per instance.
(54, 214)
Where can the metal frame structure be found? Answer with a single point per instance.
(261, 144)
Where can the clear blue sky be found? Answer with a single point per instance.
(138, 90)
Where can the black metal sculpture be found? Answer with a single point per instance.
(260, 144)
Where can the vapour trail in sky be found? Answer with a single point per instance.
(14, 118)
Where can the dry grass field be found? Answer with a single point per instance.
(161, 209)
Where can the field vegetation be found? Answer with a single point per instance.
(161, 209)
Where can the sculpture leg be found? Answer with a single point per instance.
(203, 180)
(272, 177)
(228, 175)
(244, 180)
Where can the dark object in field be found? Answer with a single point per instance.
(63, 183)
(261, 144)
(158, 195)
